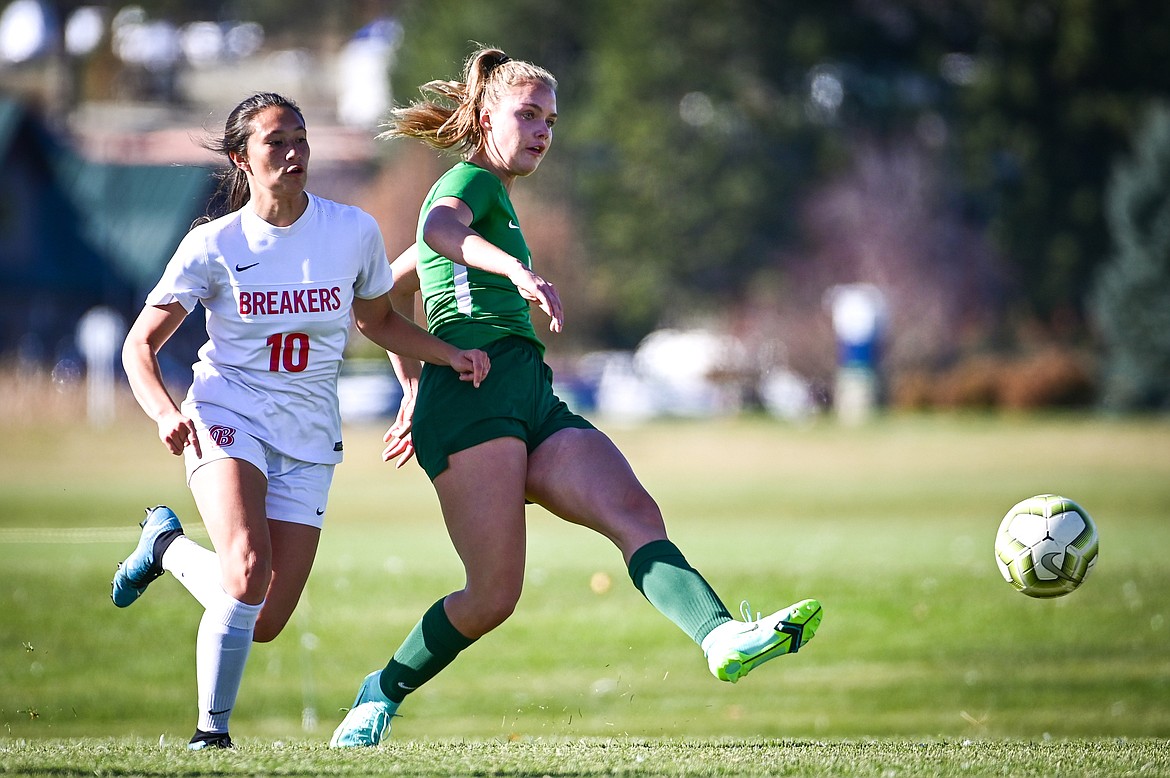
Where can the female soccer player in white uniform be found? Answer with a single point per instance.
(280, 276)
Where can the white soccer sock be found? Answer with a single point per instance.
(197, 569)
(225, 631)
(221, 651)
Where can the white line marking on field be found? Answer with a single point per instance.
(61, 535)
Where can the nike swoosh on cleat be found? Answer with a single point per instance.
(795, 631)
(242, 268)
(795, 634)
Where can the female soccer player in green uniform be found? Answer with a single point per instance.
(489, 450)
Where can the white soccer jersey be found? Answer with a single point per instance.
(278, 303)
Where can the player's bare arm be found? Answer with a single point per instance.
(447, 230)
(378, 321)
(402, 297)
(153, 327)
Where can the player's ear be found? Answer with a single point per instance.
(485, 120)
(240, 161)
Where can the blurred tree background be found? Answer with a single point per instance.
(725, 164)
(1132, 297)
(740, 157)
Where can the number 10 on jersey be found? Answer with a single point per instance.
(288, 350)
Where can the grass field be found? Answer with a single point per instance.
(927, 662)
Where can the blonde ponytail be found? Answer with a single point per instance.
(448, 115)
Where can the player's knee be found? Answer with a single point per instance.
(492, 607)
(500, 608)
(635, 517)
(642, 508)
(246, 576)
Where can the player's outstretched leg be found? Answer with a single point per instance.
(202, 740)
(735, 648)
(368, 721)
(145, 562)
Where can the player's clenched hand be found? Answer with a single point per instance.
(177, 432)
(472, 365)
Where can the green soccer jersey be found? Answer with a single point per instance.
(466, 307)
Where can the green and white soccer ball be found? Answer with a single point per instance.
(1046, 546)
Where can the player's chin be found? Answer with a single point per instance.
(529, 164)
(295, 182)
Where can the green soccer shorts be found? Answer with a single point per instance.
(516, 400)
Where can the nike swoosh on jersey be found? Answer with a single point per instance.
(242, 268)
(513, 225)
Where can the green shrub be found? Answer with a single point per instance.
(1131, 298)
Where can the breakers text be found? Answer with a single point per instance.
(276, 303)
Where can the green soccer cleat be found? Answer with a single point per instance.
(735, 648)
(368, 721)
(141, 567)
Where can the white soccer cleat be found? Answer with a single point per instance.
(735, 648)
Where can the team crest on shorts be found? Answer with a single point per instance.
(222, 436)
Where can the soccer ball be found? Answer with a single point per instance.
(1046, 546)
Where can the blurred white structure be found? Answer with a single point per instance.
(152, 44)
(363, 74)
(367, 391)
(84, 30)
(787, 395)
(622, 394)
(99, 339)
(26, 28)
(206, 44)
(688, 373)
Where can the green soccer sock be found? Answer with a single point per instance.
(676, 589)
(431, 645)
